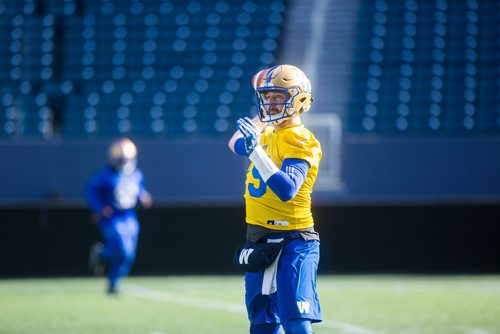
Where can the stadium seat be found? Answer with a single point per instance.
(85, 56)
(420, 67)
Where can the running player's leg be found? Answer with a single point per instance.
(124, 257)
(111, 253)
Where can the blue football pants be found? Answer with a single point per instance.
(120, 247)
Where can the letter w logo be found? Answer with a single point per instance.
(245, 253)
(303, 307)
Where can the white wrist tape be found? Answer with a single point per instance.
(263, 163)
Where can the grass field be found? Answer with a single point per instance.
(214, 304)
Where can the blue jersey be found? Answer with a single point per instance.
(108, 187)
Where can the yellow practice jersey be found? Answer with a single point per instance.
(263, 207)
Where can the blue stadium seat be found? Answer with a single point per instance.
(197, 57)
(425, 67)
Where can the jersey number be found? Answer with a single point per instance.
(261, 189)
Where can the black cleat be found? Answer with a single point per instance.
(112, 291)
(96, 264)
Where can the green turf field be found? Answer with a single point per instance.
(214, 304)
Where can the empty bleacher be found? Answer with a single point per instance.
(143, 68)
(182, 68)
(426, 67)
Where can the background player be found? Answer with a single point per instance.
(285, 158)
(112, 194)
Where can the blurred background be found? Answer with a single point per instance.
(407, 109)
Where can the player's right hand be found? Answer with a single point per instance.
(107, 211)
(250, 133)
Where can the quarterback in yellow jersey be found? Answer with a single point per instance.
(285, 158)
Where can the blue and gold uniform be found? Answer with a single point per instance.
(285, 158)
(269, 217)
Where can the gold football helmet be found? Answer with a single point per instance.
(123, 155)
(292, 87)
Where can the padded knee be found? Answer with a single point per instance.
(264, 328)
(298, 326)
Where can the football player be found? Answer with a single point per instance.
(285, 158)
(112, 194)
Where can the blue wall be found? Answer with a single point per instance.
(177, 171)
(422, 169)
(200, 171)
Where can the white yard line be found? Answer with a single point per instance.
(346, 328)
(478, 331)
(180, 299)
(174, 298)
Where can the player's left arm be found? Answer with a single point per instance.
(286, 182)
(145, 198)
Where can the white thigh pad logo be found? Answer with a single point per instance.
(245, 253)
(303, 307)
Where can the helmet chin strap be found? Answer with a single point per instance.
(278, 122)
